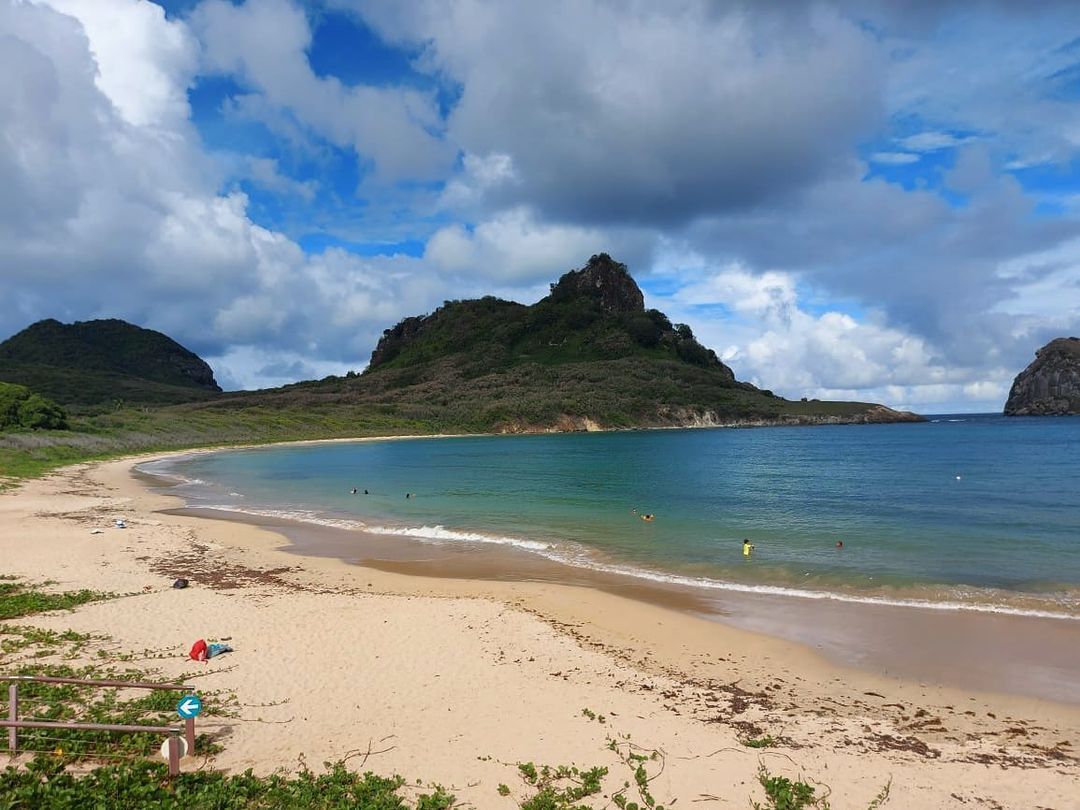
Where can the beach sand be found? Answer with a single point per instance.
(456, 680)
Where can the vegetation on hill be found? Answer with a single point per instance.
(92, 391)
(101, 362)
(22, 408)
(592, 315)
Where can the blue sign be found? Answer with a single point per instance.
(189, 707)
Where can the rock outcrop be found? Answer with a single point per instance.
(395, 338)
(1050, 386)
(604, 280)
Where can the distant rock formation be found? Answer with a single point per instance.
(109, 345)
(1050, 386)
(588, 356)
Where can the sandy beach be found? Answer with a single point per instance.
(456, 680)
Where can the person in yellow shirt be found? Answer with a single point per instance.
(747, 548)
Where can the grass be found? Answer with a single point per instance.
(782, 793)
(17, 600)
(145, 786)
(131, 431)
(560, 787)
(765, 741)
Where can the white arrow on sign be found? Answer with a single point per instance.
(190, 706)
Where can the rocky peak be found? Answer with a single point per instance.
(605, 280)
(1050, 386)
(395, 339)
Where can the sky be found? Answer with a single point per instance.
(846, 200)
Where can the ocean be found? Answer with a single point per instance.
(968, 512)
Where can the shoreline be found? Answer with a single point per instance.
(673, 679)
(1041, 660)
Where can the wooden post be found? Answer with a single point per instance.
(174, 755)
(13, 715)
(189, 735)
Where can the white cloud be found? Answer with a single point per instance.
(614, 113)
(144, 62)
(932, 141)
(251, 367)
(264, 44)
(480, 176)
(894, 158)
(775, 342)
(513, 247)
(1045, 299)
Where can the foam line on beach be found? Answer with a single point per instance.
(570, 554)
(800, 593)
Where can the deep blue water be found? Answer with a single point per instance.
(973, 507)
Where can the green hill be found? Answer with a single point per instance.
(589, 355)
(101, 362)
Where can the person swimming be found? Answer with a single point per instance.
(839, 543)
(353, 491)
(648, 518)
(747, 548)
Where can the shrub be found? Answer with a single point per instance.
(38, 413)
(22, 408)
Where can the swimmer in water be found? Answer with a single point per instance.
(747, 548)
(353, 491)
(839, 543)
(648, 518)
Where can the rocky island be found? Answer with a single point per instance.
(1050, 386)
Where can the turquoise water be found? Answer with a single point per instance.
(977, 510)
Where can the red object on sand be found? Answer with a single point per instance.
(199, 651)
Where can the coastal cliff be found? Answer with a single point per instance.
(1050, 386)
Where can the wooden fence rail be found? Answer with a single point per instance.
(13, 723)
